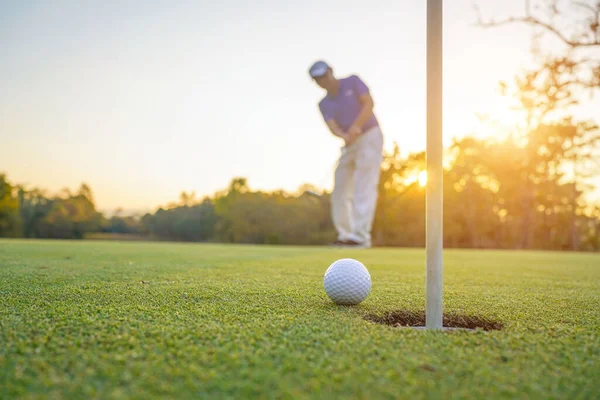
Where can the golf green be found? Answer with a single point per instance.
(138, 320)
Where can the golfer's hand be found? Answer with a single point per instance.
(354, 131)
(349, 139)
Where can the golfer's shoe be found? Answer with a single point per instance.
(351, 244)
(338, 243)
(356, 245)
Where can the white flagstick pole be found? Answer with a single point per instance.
(434, 165)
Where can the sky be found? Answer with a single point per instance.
(144, 99)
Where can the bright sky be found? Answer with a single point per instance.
(144, 99)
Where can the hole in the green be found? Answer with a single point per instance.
(405, 318)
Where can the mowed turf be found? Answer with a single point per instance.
(140, 320)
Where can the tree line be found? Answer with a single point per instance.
(505, 194)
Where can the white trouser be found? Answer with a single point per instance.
(354, 196)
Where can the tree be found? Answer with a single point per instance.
(66, 216)
(184, 223)
(34, 205)
(471, 213)
(574, 24)
(400, 214)
(10, 220)
(560, 152)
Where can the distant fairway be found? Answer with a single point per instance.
(139, 320)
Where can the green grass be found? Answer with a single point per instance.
(140, 320)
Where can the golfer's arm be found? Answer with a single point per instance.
(335, 128)
(366, 112)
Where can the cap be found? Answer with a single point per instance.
(318, 69)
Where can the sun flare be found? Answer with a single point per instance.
(422, 178)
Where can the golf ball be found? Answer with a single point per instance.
(347, 281)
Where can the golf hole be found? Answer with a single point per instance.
(451, 321)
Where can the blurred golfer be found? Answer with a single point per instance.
(347, 109)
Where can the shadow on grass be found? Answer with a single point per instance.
(405, 318)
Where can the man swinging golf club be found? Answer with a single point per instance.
(347, 109)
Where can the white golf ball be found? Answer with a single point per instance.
(347, 281)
